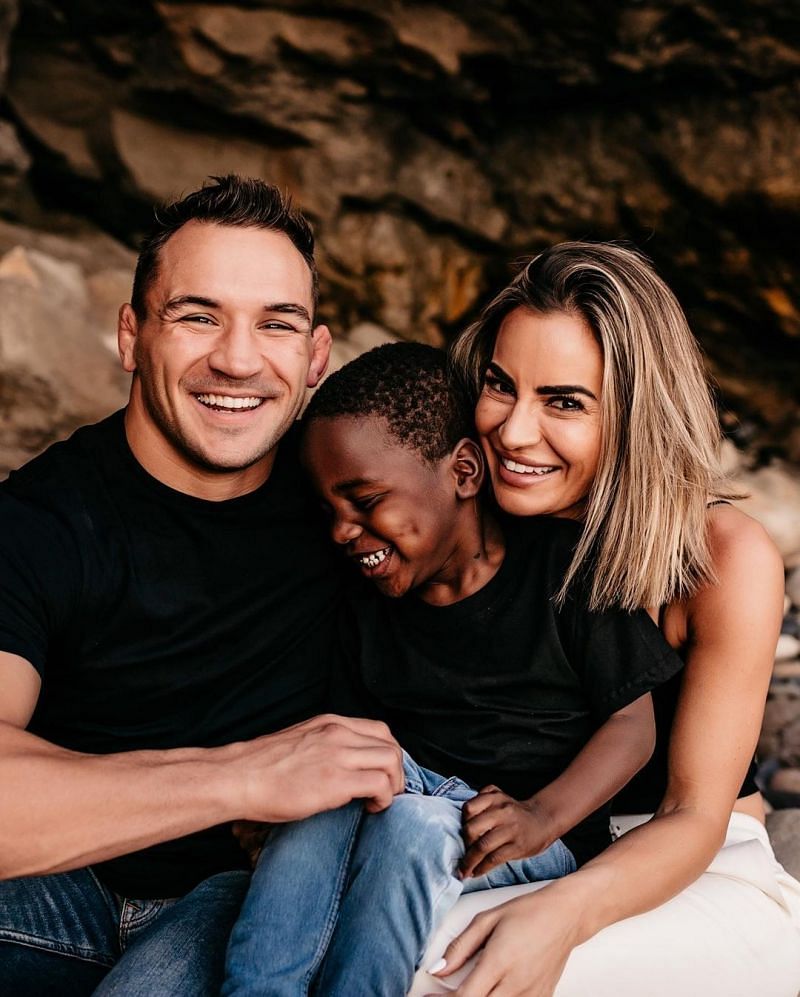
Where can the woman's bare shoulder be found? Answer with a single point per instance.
(743, 553)
(731, 530)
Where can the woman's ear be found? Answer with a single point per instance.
(467, 462)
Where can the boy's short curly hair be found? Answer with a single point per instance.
(408, 385)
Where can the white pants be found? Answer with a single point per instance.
(735, 932)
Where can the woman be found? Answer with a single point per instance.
(592, 403)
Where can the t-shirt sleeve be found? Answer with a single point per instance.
(36, 581)
(620, 656)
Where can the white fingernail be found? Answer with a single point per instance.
(437, 967)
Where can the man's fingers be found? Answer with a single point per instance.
(374, 788)
(373, 755)
(367, 751)
(370, 728)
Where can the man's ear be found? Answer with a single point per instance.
(467, 462)
(127, 331)
(321, 342)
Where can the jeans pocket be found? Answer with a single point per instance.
(137, 915)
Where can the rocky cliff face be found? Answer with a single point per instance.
(432, 143)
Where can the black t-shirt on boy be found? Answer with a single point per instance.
(502, 687)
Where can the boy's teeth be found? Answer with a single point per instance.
(375, 558)
(512, 465)
(228, 401)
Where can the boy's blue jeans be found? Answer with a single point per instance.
(342, 904)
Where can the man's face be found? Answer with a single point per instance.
(223, 356)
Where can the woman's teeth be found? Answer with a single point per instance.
(375, 558)
(512, 465)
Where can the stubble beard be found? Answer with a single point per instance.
(175, 435)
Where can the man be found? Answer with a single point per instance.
(166, 601)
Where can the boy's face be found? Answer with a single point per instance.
(394, 513)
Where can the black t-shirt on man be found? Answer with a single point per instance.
(160, 620)
(502, 687)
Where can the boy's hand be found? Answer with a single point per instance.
(497, 828)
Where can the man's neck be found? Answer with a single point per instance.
(164, 462)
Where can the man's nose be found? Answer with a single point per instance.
(236, 353)
(521, 428)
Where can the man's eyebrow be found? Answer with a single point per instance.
(277, 307)
(188, 299)
(288, 308)
(564, 389)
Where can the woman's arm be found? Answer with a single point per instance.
(732, 629)
(498, 828)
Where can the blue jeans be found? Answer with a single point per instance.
(343, 904)
(67, 935)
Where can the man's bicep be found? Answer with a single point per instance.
(20, 684)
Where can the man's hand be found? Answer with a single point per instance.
(317, 765)
(498, 828)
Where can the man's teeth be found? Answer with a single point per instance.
(375, 558)
(512, 465)
(228, 401)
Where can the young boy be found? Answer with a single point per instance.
(456, 643)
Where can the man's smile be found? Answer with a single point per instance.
(230, 403)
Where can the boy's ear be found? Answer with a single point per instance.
(467, 468)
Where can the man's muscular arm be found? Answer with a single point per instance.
(63, 809)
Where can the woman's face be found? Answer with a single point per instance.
(538, 415)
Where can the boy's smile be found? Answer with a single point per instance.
(400, 518)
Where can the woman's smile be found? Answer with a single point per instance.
(538, 415)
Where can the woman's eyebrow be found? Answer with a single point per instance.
(564, 389)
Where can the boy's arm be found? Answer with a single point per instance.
(498, 828)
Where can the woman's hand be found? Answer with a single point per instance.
(497, 829)
(525, 944)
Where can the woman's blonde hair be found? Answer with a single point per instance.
(645, 541)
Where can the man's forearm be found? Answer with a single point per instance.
(63, 809)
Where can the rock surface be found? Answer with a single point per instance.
(59, 367)
(432, 143)
(784, 833)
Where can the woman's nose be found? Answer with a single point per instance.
(521, 428)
